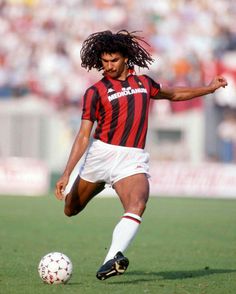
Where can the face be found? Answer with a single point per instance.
(114, 65)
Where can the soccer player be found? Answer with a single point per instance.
(118, 103)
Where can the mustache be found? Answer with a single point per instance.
(110, 70)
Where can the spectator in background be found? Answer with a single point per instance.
(42, 40)
(227, 134)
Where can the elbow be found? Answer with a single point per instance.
(177, 97)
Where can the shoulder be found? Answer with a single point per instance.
(141, 77)
(98, 90)
(101, 84)
(94, 88)
(150, 81)
(146, 78)
(95, 85)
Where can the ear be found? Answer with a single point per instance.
(126, 60)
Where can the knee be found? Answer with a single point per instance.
(141, 207)
(71, 207)
(69, 212)
(137, 207)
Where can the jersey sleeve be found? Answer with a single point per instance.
(90, 101)
(154, 86)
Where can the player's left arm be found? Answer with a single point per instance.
(187, 93)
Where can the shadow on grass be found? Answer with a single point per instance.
(171, 275)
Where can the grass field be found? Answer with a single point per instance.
(183, 246)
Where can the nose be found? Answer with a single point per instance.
(109, 65)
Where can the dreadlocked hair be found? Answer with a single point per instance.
(128, 44)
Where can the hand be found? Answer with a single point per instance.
(60, 187)
(217, 83)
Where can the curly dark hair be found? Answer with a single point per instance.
(124, 42)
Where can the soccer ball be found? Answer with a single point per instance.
(55, 268)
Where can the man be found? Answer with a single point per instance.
(119, 105)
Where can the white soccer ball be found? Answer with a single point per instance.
(55, 268)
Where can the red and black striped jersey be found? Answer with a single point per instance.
(121, 109)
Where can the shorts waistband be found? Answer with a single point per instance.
(107, 145)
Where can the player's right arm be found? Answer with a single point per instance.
(78, 149)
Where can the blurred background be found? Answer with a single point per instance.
(192, 144)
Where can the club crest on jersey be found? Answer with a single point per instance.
(125, 92)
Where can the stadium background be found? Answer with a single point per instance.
(42, 83)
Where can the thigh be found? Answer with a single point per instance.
(129, 161)
(81, 193)
(133, 192)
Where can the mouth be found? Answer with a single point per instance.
(110, 71)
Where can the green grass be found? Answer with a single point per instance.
(183, 246)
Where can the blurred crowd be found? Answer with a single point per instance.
(41, 42)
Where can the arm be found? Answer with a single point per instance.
(187, 93)
(78, 149)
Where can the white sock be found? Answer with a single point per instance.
(123, 234)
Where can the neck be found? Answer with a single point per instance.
(124, 75)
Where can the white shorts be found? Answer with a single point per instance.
(110, 163)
